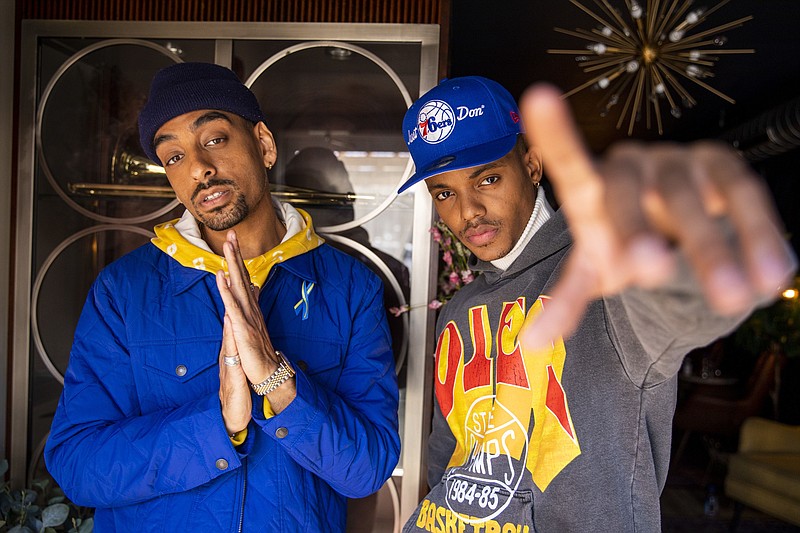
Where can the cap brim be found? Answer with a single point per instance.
(466, 158)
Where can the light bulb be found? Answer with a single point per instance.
(632, 66)
(694, 71)
(598, 48)
(675, 36)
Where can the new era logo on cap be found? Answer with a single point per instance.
(463, 122)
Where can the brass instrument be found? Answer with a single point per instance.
(135, 176)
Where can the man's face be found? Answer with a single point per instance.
(487, 207)
(215, 162)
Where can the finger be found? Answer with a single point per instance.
(567, 161)
(228, 339)
(240, 278)
(699, 236)
(227, 348)
(748, 204)
(645, 253)
(578, 185)
(565, 306)
(232, 306)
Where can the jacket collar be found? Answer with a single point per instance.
(184, 278)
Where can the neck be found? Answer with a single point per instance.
(541, 214)
(258, 233)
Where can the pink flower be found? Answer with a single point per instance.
(397, 311)
(435, 304)
(447, 242)
(454, 279)
(467, 277)
(437, 235)
(447, 257)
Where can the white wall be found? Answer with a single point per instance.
(6, 156)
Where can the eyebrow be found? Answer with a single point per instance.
(480, 170)
(205, 118)
(211, 116)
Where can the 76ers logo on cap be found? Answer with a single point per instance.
(435, 121)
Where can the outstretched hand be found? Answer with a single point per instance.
(629, 212)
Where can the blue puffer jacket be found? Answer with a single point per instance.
(139, 433)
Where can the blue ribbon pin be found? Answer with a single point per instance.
(302, 305)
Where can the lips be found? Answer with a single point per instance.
(212, 197)
(481, 235)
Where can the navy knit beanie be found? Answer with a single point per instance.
(186, 87)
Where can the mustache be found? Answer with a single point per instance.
(474, 223)
(210, 183)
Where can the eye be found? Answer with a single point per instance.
(215, 141)
(172, 160)
(444, 195)
(489, 180)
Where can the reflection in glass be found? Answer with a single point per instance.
(87, 129)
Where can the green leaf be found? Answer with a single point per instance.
(87, 526)
(41, 484)
(56, 499)
(3, 467)
(34, 523)
(55, 514)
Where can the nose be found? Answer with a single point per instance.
(202, 168)
(471, 206)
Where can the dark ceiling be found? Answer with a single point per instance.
(507, 40)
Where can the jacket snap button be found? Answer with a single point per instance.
(221, 464)
(281, 432)
(180, 370)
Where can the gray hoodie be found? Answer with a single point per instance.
(571, 439)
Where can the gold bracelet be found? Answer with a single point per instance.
(277, 378)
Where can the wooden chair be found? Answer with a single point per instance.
(710, 414)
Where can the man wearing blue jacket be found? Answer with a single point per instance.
(236, 373)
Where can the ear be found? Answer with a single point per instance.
(266, 144)
(533, 162)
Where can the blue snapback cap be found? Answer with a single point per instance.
(460, 123)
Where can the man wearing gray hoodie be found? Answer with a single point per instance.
(555, 373)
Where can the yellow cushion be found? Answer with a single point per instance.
(769, 482)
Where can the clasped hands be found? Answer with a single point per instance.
(631, 211)
(247, 353)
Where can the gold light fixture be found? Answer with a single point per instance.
(646, 56)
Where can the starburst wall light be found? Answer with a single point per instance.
(646, 56)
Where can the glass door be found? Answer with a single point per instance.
(334, 97)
